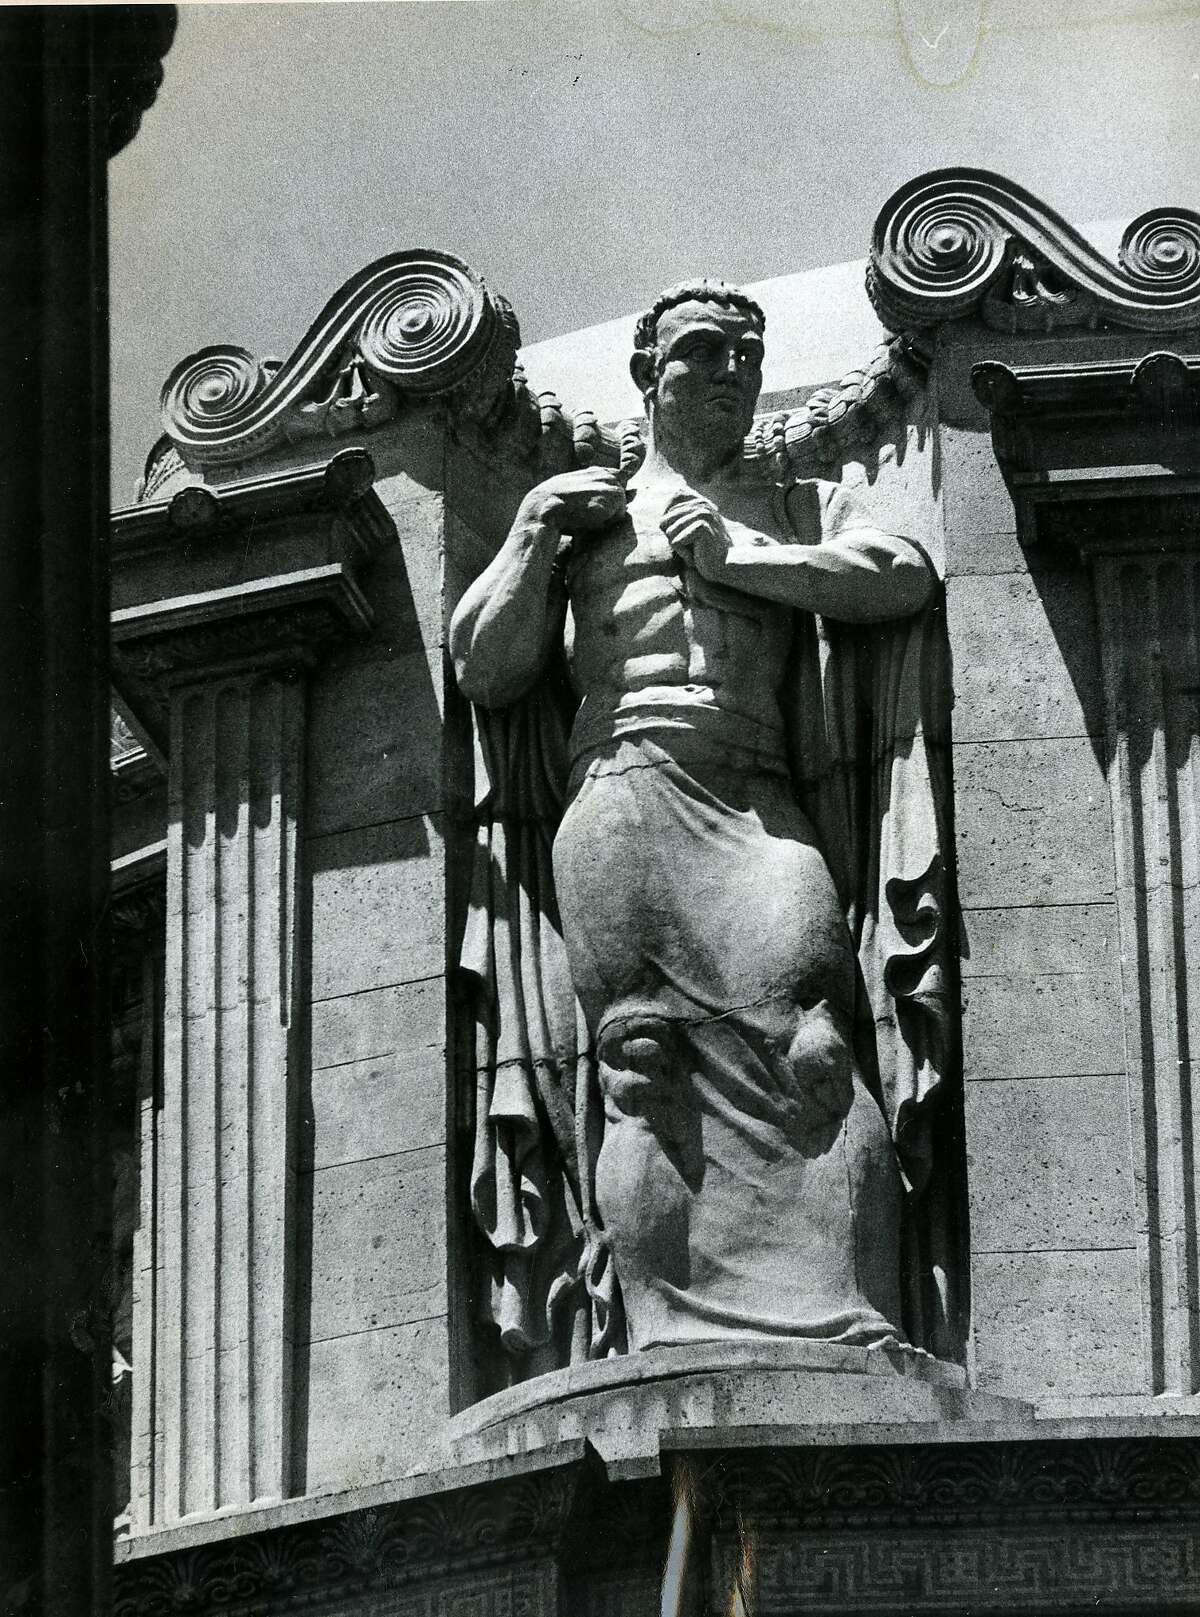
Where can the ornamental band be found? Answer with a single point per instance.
(743, 1179)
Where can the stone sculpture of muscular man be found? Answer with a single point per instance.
(747, 1180)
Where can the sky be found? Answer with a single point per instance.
(582, 154)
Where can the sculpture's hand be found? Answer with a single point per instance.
(694, 526)
(583, 501)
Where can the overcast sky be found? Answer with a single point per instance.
(581, 156)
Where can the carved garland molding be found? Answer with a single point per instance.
(962, 241)
(783, 445)
(1071, 1480)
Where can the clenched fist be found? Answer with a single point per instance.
(577, 502)
(694, 527)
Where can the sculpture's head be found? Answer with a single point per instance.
(697, 363)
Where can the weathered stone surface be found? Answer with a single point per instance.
(375, 1401)
(1049, 1164)
(377, 906)
(975, 500)
(484, 491)
(411, 459)
(1041, 991)
(978, 551)
(1026, 659)
(1056, 1324)
(375, 742)
(1032, 823)
(378, 1243)
(1042, 940)
(406, 583)
(898, 479)
(404, 1018)
(373, 1108)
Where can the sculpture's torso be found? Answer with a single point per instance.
(651, 635)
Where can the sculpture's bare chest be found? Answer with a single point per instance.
(644, 616)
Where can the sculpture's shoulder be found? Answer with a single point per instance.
(760, 507)
(815, 509)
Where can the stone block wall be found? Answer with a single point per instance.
(372, 1318)
(384, 1355)
(1050, 1161)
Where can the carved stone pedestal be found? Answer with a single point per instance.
(630, 1409)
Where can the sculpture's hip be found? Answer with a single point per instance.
(746, 1179)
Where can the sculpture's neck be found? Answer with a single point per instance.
(697, 463)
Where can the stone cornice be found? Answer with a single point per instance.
(235, 608)
(139, 896)
(1164, 382)
(258, 623)
(959, 242)
(134, 775)
(342, 485)
(412, 327)
(1123, 432)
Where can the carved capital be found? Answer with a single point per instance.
(960, 242)
(332, 525)
(281, 623)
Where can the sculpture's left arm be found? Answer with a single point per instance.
(850, 569)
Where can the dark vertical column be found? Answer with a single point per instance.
(55, 103)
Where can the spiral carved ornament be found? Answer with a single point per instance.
(942, 243)
(420, 322)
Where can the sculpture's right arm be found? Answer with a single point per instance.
(505, 625)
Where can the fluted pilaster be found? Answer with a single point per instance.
(1149, 608)
(226, 1170)
(217, 677)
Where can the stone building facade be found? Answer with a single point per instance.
(322, 1416)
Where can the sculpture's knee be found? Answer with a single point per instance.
(822, 1059)
(635, 1064)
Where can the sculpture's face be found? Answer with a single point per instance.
(709, 373)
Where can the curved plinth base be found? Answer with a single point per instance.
(751, 1391)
